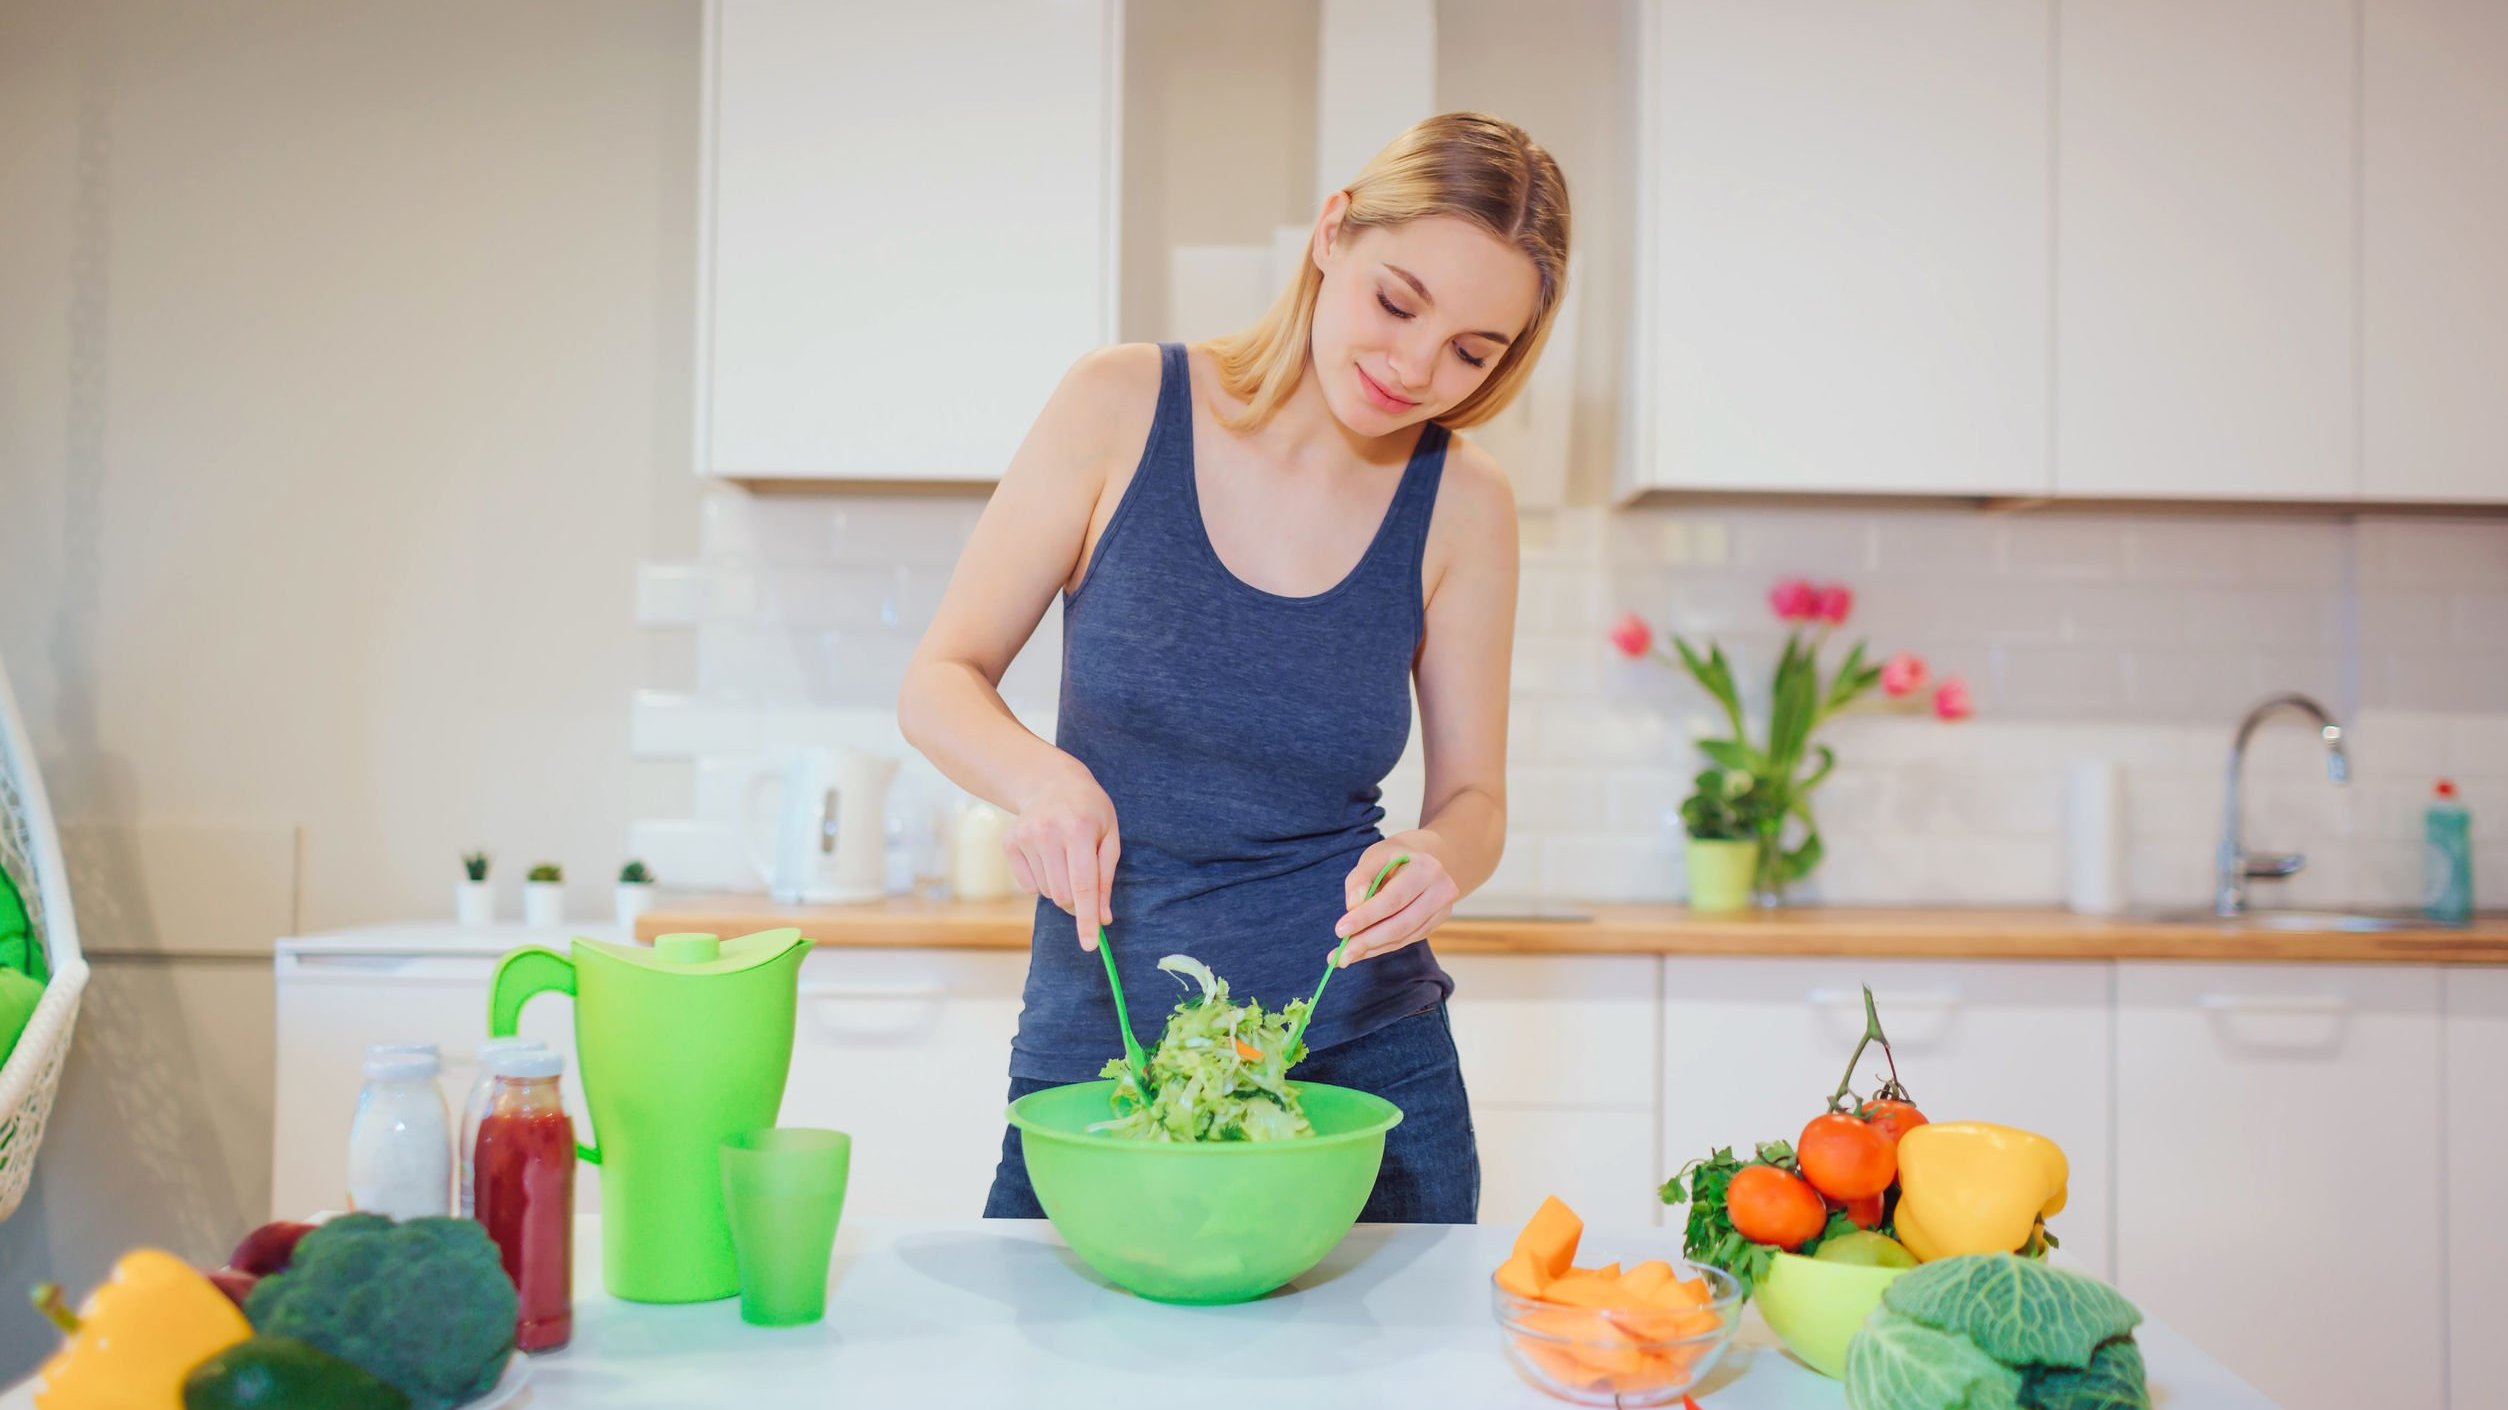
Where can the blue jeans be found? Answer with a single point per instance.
(1431, 1173)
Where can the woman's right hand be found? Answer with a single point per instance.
(1063, 846)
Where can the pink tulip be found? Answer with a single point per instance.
(1903, 674)
(1795, 600)
(1632, 636)
(1833, 602)
(1950, 699)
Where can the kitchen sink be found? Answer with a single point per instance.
(2356, 921)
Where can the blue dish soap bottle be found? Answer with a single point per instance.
(2447, 833)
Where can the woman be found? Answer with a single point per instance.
(1262, 542)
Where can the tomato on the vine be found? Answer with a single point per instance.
(1844, 1157)
(1893, 1119)
(1772, 1206)
(1863, 1213)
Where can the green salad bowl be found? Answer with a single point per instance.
(1225, 1221)
(1816, 1308)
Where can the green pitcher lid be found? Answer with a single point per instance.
(693, 953)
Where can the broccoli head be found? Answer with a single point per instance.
(424, 1305)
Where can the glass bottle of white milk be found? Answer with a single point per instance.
(400, 1146)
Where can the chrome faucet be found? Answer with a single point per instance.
(2237, 868)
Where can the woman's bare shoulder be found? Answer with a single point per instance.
(1475, 499)
(1116, 384)
(1099, 414)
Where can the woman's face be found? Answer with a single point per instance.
(1411, 319)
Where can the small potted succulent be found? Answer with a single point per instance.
(634, 894)
(1721, 818)
(544, 897)
(474, 901)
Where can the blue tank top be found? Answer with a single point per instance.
(1243, 737)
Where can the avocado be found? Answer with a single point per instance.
(282, 1373)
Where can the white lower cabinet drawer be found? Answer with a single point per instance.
(1558, 1052)
(2477, 1185)
(1556, 1031)
(909, 1051)
(1601, 1162)
(2278, 1175)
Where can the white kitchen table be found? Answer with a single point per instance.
(1001, 1313)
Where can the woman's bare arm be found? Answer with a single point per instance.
(1462, 673)
(1026, 548)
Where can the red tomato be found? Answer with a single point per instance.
(1845, 1157)
(1865, 1213)
(1893, 1119)
(1772, 1206)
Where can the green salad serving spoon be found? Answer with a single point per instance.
(1132, 1054)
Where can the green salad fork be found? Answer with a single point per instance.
(1332, 961)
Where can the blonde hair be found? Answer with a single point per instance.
(1468, 165)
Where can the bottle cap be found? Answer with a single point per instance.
(385, 1064)
(2446, 788)
(493, 1046)
(526, 1063)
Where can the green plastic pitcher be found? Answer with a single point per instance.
(678, 1047)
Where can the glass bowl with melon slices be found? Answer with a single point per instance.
(1635, 1334)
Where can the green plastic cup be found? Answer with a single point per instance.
(1220, 1222)
(783, 1188)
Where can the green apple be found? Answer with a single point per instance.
(1866, 1249)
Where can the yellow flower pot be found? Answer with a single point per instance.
(1720, 873)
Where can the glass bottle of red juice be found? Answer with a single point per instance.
(525, 1193)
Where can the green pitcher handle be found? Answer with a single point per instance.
(530, 971)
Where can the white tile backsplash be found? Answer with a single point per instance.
(670, 594)
(2134, 637)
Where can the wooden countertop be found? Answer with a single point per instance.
(1908, 933)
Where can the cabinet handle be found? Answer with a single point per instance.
(2321, 1005)
(1845, 999)
(895, 992)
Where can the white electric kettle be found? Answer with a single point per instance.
(831, 827)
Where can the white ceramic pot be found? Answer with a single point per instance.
(544, 904)
(474, 902)
(632, 898)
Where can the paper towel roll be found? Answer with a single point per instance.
(2094, 838)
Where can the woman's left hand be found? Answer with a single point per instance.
(1414, 901)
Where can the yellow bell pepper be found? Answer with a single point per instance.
(1974, 1187)
(137, 1337)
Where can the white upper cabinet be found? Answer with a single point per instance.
(907, 229)
(2206, 169)
(2434, 307)
(1843, 252)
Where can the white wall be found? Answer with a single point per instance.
(1219, 138)
(344, 378)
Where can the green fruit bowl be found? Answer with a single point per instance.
(1816, 1308)
(1226, 1221)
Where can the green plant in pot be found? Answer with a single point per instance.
(1784, 769)
(474, 901)
(544, 896)
(1721, 818)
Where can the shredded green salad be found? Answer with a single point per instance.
(1219, 1074)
